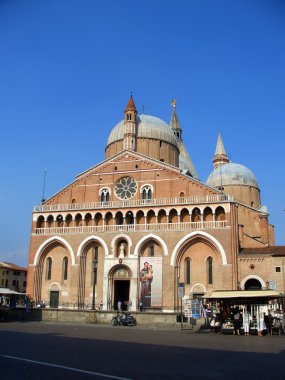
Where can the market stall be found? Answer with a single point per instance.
(11, 298)
(264, 310)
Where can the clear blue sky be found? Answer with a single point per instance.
(67, 68)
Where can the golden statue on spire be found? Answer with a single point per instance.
(173, 103)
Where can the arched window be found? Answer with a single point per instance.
(49, 265)
(146, 193)
(105, 195)
(187, 271)
(65, 268)
(151, 250)
(210, 270)
(41, 222)
(59, 220)
(95, 264)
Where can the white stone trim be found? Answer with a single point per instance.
(252, 276)
(90, 238)
(192, 235)
(198, 284)
(54, 283)
(146, 185)
(50, 240)
(147, 237)
(129, 240)
(104, 188)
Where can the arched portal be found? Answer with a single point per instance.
(120, 285)
(252, 284)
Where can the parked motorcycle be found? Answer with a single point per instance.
(124, 319)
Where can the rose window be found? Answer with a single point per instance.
(126, 188)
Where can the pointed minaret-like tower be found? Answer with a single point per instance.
(220, 157)
(174, 122)
(185, 162)
(130, 125)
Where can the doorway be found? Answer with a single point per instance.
(54, 297)
(121, 293)
(252, 284)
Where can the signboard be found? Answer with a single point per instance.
(151, 281)
(181, 290)
(192, 308)
(272, 285)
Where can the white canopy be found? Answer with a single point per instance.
(245, 294)
(8, 292)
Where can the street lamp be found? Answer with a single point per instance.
(94, 266)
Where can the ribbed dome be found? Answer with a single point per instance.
(147, 127)
(232, 174)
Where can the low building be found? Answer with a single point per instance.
(13, 277)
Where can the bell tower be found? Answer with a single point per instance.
(174, 122)
(130, 125)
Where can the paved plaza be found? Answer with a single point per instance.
(38, 350)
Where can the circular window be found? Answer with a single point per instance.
(126, 188)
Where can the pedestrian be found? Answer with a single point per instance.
(73, 302)
(268, 320)
(141, 306)
(101, 305)
(119, 304)
(237, 322)
(217, 325)
(260, 324)
(246, 322)
(212, 324)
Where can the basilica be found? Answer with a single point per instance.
(140, 225)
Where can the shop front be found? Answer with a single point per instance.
(249, 312)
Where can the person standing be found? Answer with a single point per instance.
(237, 322)
(119, 304)
(268, 320)
(246, 322)
(260, 324)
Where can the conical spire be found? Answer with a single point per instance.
(220, 149)
(221, 156)
(130, 112)
(131, 105)
(185, 162)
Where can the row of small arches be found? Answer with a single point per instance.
(129, 217)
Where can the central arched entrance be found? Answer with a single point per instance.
(252, 284)
(120, 279)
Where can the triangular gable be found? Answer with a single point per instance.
(130, 155)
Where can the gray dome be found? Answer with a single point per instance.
(232, 174)
(147, 127)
